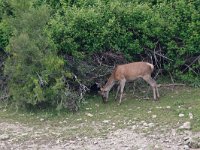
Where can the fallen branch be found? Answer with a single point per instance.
(169, 85)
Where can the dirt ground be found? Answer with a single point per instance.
(141, 136)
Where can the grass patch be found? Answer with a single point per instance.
(95, 118)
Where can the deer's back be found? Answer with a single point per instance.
(132, 71)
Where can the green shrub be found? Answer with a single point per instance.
(35, 72)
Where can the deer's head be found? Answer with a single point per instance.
(104, 95)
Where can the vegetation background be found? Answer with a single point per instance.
(53, 51)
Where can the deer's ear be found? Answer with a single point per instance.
(99, 92)
(98, 85)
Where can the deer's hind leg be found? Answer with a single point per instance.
(118, 88)
(157, 92)
(122, 84)
(153, 84)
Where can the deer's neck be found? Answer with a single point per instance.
(110, 83)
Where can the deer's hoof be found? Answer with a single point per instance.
(119, 104)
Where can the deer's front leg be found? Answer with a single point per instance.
(158, 95)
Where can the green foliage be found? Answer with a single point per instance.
(5, 33)
(90, 29)
(5, 30)
(5, 8)
(34, 70)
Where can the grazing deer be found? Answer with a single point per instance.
(129, 72)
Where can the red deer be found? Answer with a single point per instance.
(129, 72)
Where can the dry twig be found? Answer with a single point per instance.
(169, 85)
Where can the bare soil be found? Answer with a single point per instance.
(140, 136)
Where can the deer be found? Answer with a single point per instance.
(129, 72)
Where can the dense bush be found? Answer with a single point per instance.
(163, 32)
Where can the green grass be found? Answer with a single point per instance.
(96, 118)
